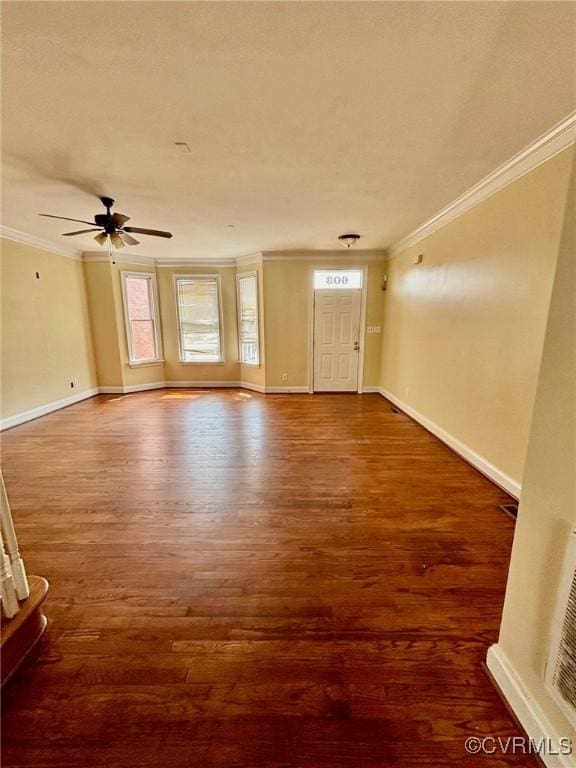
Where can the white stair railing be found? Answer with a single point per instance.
(13, 581)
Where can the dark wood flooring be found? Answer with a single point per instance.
(247, 580)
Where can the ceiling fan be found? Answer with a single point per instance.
(110, 227)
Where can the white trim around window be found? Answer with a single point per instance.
(199, 278)
(248, 351)
(150, 277)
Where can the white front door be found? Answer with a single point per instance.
(336, 340)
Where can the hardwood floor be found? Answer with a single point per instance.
(247, 580)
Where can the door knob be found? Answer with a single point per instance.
(356, 346)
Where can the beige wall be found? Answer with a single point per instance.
(548, 502)
(287, 291)
(463, 331)
(174, 369)
(104, 286)
(92, 316)
(98, 275)
(46, 338)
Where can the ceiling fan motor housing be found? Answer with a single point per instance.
(104, 220)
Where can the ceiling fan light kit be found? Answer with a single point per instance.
(110, 227)
(349, 239)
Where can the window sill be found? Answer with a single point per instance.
(201, 362)
(145, 363)
(249, 365)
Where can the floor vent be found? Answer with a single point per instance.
(510, 509)
(561, 666)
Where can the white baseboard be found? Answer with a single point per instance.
(35, 413)
(131, 388)
(478, 462)
(167, 384)
(239, 385)
(253, 387)
(526, 709)
(144, 387)
(366, 390)
(204, 384)
(43, 410)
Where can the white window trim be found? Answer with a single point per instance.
(154, 307)
(239, 277)
(205, 363)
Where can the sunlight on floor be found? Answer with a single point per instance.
(182, 395)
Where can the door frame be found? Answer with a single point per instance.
(362, 335)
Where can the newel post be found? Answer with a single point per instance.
(15, 562)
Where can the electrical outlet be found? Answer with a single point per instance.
(370, 329)
(377, 329)
(203, 372)
(284, 377)
(73, 383)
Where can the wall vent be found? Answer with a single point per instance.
(561, 666)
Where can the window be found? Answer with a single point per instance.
(337, 278)
(141, 317)
(199, 325)
(249, 349)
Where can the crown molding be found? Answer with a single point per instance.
(38, 242)
(558, 138)
(249, 258)
(196, 263)
(149, 261)
(343, 255)
(120, 258)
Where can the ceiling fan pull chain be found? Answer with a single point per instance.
(110, 251)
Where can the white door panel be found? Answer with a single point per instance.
(336, 340)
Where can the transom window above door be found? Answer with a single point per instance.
(339, 279)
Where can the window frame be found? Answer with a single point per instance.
(240, 276)
(154, 313)
(205, 278)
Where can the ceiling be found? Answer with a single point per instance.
(304, 119)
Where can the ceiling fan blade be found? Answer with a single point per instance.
(101, 238)
(117, 241)
(128, 239)
(65, 218)
(79, 232)
(154, 232)
(119, 218)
